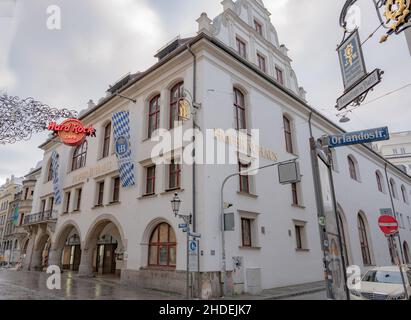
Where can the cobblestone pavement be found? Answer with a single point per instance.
(20, 285)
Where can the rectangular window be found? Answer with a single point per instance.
(116, 189)
(246, 232)
(43, 205)
(100, 194)
(51, 204)
(174, 175)
(67, 205)
(294, 191)
(106, 142)
(300, 237)
(26, 193)
(241, 48)
(150, 180)
(258, 27)
(261, 63)
(78, 201)
(279, 74)
(244, 179)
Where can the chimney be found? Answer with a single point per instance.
(204, 24)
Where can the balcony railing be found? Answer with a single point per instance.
(39, 217)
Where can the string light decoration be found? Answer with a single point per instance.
(21, 118)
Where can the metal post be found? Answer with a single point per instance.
(320, 213)
(188, 264)
(400, 267)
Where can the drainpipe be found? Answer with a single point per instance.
(194, 211)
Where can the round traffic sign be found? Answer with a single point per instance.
(388, 224)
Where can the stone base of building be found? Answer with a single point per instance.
(173, 281)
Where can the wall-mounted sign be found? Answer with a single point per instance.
(184, 110)
(369, 82)
(358, 137)
(72, 132)
(351, 60)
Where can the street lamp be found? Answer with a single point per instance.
(175, 206)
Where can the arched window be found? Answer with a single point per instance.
(176, 93)
(393, 187)
(352, 168)
(239, 108)
(379, 181)
(79, 156)
(404, 194)
(153, 115)
(162, 247)
(106, 140)
(365, 249)
(50, 172)
(343, 239)
(288, 135)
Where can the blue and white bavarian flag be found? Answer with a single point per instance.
(121, 130)
(55, 175)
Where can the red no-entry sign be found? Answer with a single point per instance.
(388, 225)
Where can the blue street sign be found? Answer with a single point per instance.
(182, 225)
(358, 137)
(193, 245)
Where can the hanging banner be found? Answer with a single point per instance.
(55, 175)
(15, 218)
(351, 60)
(121, 129)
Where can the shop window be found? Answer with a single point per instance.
(162, 247)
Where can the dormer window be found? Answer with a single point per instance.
(258, 27)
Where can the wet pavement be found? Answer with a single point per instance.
(21, 285)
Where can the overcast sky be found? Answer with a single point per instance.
(101, 40)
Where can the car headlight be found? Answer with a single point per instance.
(355, 293)
(397, 297)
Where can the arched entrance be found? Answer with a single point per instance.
(103, 249)
(66, 249)
(40, 258)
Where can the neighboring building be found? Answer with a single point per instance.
(243, 79)
(8, 193)
(397, 150)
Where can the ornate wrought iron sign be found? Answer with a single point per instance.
(394, 15)
(21, 118)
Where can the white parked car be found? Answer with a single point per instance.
(383, 283)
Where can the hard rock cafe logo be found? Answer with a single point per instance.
(72, 132)
(397, 12)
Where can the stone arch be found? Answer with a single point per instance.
(40, 253)
(58, 248)
(345, 235)
(90, 242)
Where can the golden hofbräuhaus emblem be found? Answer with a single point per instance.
(349, 54)
(397, 12)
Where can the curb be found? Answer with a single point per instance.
(295, 294)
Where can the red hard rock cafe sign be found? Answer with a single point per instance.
(72, 132)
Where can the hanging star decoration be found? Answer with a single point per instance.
(21, 118)
(398, 15)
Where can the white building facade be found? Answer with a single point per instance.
(239, 77)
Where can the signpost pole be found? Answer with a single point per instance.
(188, 263)
(400, 266)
